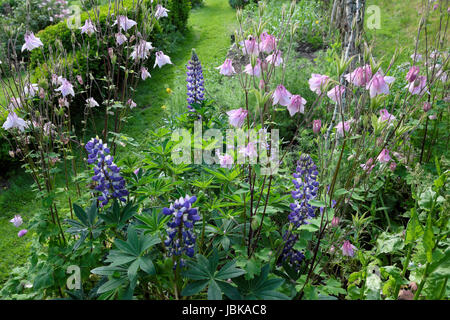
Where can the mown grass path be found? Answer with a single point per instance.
(209, 33)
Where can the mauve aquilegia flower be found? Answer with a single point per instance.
(16, 221)
(317, 124)
(31, 42)
(281, 96)
(335, 221)
(236, 117)
(341, 127)
(360, 77)
(250, 47)
(161, 11)
(253, 70)
(412, 73)
(120, 38)
(336, 93)
(195, 82)
(161, 59)
(225, 161)
(418, 86)
(348, 249)
(22, 232)
(379, 84)
(144, 73)
(66, 88)
(368, 166)
(384, 156)
(385, 116)
(249, 150)
(110, 183)
(227, 68)
(268, 42)
(181, 236)
(296, 104)
(30, 89)
(275, 58)
(141, 50)
(124, 23)
(14, 121)
(318, 82)
(88, 27)
(91, 103)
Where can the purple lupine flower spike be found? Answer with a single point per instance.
(195, 82)
(106, 173)
(180, 229)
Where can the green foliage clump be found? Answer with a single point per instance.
(179, 13)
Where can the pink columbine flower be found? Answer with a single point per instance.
(16, 221)
(136, 172)
(297, 104)
(416, 57)
(13, 121)
(80, 79)
(161, 59)
(227, 68)
(392, 166)
(31, 42)
(90, 102)
(66, 88)
(142, 50)
(432, 117)
(335, 221)
(249, 151)
(88, 27)
(348, 249)
(360, 77)
(131, 103)
(145, 74)
(124, 23)
(275, 58)
(254, 70)
(426, 106)
(236, 117)
(226, 161)
(336, 93)
(379, 85)
(251, 47)
(22, 233)
(384, 156)
(268, 42)
(412, 73)
(368, 166)
(30, 89)
(281, 96)
(318, 82)
(161, 11)
(317, 124)
(385, 116)
(120, 38)
(341, 127)
(418, 86)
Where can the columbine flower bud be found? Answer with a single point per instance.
(426, 106)
(317, 124)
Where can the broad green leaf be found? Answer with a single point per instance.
(194, 288)
(428, 239)
(214, 292)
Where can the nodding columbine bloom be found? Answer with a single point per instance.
(90, 102)
(180, 229)
(317, 124)
(161, 11)
(348, 249)
(124, 23)
(30, 89)
(297, 104)
(368, 166)
(412, 74)
(249, 151)
(194, 82)
(66, 88)
(379, 84)
(384, 156)
(88, 27)
(318, 82)
(253, 70)
(385, 116)
(145, 74)
(335, 221)
(106, 173)
(142, 50)
(131, 103)
(22, 233)
(341, 127)
(31, 42)
(161, 59)
(16, 221)
(306, 187)
(13, 121)
(226, 161)
(281, 96)
(268, 42)
(393, 166)
(336, 93)
(120, 38)
(360, 77)
(275, 58)
(418, 86)
(250, 47)
(236, 117)
(227, 68)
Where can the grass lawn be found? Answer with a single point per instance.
(209, 33)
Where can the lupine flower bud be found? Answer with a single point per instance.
(195, 82)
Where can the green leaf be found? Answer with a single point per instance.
(229, 271)
(214, 292)
(428, 242)
(147, 265)
(194, 287)
(414, 229)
